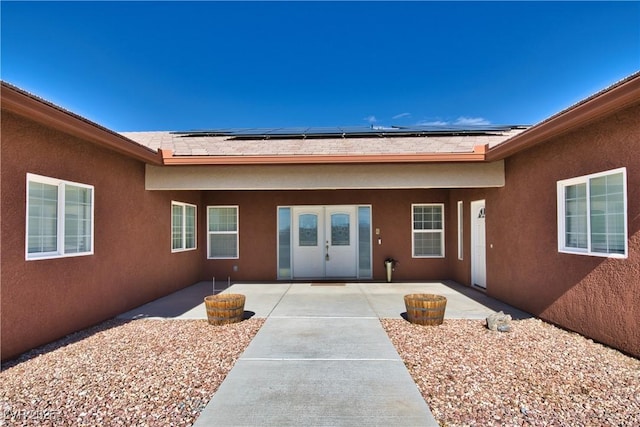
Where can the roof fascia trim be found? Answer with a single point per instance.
(23, 104)
(478, 155)
(608, 102)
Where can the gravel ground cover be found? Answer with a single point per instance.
(163, 373)
(536, 375)
(142, 372)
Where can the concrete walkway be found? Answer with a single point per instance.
(322, 358)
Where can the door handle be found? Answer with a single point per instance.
(327, 257)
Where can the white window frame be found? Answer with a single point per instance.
(183, 237)
(460, 231)
(414, 231)
(236, 232)
(561, 185)
(60, 219)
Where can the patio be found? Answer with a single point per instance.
(385, 300)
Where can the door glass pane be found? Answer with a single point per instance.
(308, 230)
(364, 241)
(340, 230)
(284, 243)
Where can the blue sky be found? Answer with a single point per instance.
(203, 65)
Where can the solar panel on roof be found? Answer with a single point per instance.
(350, 131)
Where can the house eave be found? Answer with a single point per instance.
(21, 103)
(478, 155)
(598, 106)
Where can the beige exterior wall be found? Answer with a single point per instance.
(323, 177)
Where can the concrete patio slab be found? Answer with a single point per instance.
(386, 300)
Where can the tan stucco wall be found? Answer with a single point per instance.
(323, 177)
(45, 299)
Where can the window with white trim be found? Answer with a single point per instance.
(427, 230)
(183, 226)
(592, 214)
(222, 231)
(460, 228)
(59, 218)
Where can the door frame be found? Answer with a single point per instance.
(360, 273)
(478, 272)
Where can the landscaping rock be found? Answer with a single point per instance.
(499, 322)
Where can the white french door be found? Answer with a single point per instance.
(324, 242)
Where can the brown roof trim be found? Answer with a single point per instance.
(616, 97)
(478, 155)
(23, 103)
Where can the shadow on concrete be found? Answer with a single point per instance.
(481, 298)
(175, 305)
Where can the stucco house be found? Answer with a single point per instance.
(545, 218)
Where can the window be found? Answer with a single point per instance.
(222, 232)
(428, 230)
(460, 228)
(592, 214)
(183, 227)
(59, 218)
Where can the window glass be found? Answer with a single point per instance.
(576, 216)
(190, 227)
(460, 231)
(284, 243)
(77, 214)
(59, 218)
(42, 218)
(592, 217)
(183, 226)
(223, 232)
(428, 230)
(607, 214)
(364, 241)
(176, 227)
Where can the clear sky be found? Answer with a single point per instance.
(204, 65)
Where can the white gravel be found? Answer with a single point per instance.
(536, 375)
(144, 372)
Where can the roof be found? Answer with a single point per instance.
(619, 95)
(243, 147)
(191, 147)
(23, 103)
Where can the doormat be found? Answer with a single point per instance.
(328, 284)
